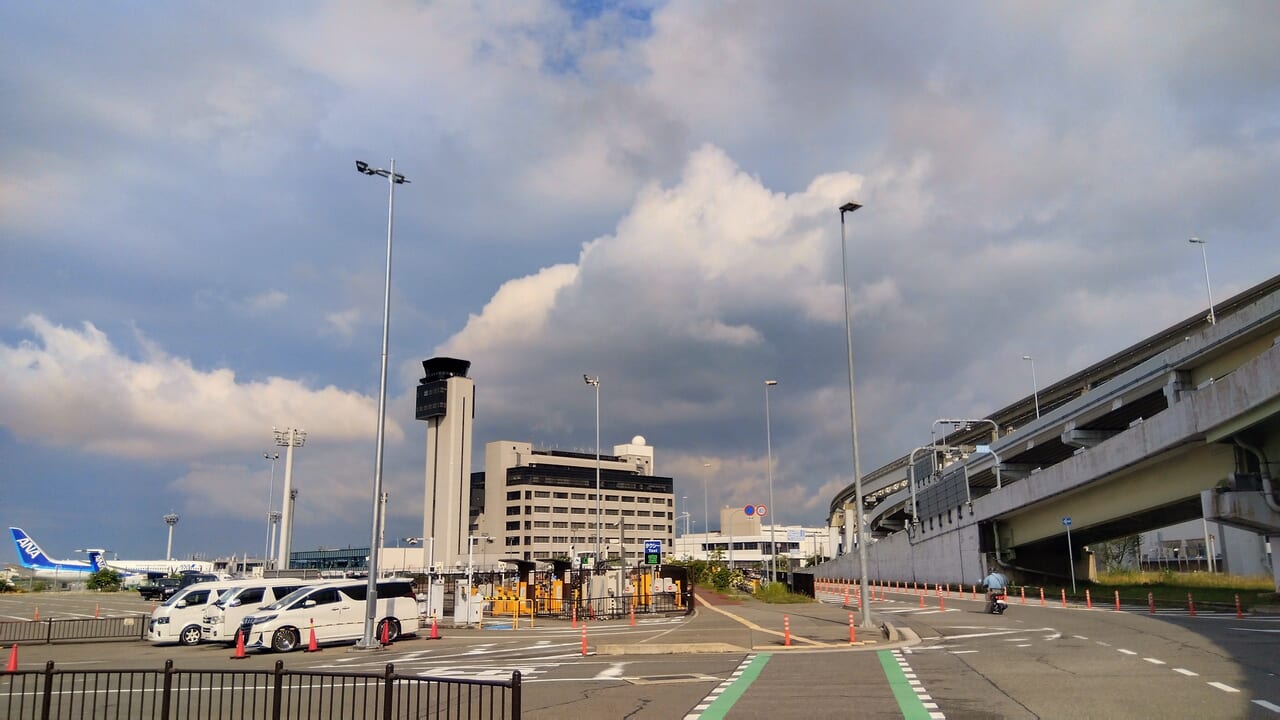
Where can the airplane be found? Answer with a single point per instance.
(41, 567)
(153, 568)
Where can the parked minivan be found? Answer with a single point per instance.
(336, 611)
(179, 618)
(222, 618)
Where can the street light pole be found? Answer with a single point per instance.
(595, 383)
(1204, 254)
(853, 417)
(773, 511)
(271, 519)
(369, 642)
(1035, 386)
(706, 526)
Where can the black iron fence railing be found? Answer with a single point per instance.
(51, 630)
(174, 694)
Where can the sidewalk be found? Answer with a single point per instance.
(722, 624)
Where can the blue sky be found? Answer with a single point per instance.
(641, 191)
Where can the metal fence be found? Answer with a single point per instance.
(174, 694)
(614, 608)
(126, 627)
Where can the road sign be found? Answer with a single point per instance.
(652, 552)
(762, 510)
(795, 536)
(1066, 521)
(749, 510)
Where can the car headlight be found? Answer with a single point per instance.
(161, 621)
(259, 619)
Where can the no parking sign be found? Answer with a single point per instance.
(756, 510)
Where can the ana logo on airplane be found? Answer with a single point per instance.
(28, 545)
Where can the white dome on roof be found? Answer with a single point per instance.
(637, 440)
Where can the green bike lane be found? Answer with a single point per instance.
(870, 684)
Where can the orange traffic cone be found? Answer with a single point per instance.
(312, 646)
(435, 633)
(386, 634)
(95, 611)
(239, 646)
(13, 659)
(37, 617)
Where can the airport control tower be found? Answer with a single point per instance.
(446, 400)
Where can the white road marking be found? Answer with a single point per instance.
(1270, 706)
(1126, 652)
(1186, 672)
(1154, 661)
(1079, 637)
(1025, 645)
(963, 652)
(1224, 687)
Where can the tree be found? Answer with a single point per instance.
(1114, 555)
(106, 580)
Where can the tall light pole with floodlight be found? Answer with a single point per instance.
(863, 536)
(773, 511)
(289, 438)
(1204, 255)
(272, 517)
(595, 383)
(369, 642)
(1035, 386)
(171, 519)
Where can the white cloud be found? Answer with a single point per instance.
(74, 388)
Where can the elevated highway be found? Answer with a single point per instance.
(1180, 426)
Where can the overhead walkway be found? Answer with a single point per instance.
(1129, 444)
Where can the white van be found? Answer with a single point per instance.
(179, 618)
(222, 618)
(336, 610)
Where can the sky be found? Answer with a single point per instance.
(641, 191)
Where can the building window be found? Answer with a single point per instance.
(611, 511)
(513, 495)
(628, 498)
(541, 524)
(513, 541)
(542, 493)
(561, 509)
(579, 496)
(578, 511)
(514, 525)
(561, 496)
(541, 539)
(513, 510)
(611, 498)
(560, 525)
(644, 500)
(642, 513)
(542, 508)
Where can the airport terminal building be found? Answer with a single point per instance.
(541, 504)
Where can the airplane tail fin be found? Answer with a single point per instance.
(95, 560)
(29, 553)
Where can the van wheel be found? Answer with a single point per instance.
(393, 629)
(190, 635)
(284, 640)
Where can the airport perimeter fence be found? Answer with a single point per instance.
(51, 630)
(174, 694)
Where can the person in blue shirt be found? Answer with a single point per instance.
(996, 584)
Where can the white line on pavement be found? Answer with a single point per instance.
(1270, 706)
(1186, 672)
(1224, 687)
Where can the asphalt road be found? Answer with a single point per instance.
(732, 661)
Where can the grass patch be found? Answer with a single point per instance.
(1168, 588)
(777, 594)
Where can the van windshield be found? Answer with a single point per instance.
(226, 597)
(285, 601)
